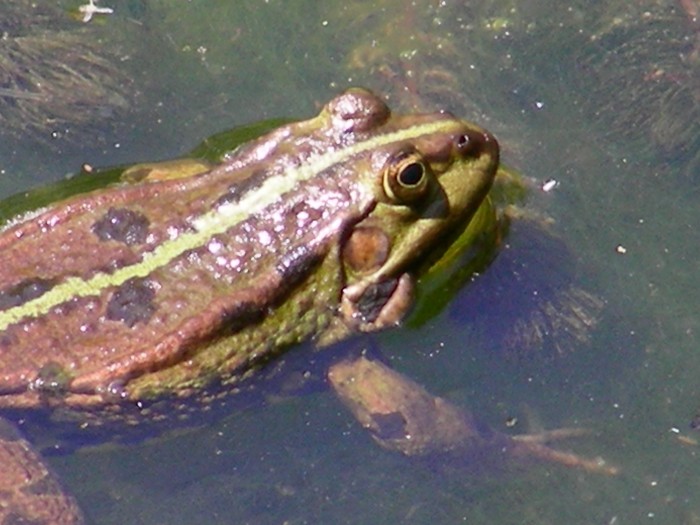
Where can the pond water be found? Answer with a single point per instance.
(604, 99)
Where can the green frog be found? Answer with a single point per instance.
(158, 289)
(139, 301)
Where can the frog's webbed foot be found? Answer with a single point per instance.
(402, 416)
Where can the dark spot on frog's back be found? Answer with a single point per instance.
(6, 343)
(24, 291)
(237, 190)
(298, 263)
(132, 302)
(123, 225)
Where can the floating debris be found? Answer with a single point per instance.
(90, 9)
(549, 185)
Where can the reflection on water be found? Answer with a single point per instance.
(604, 99)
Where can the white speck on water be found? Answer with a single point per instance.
(549, 185)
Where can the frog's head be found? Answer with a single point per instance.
(427, 184)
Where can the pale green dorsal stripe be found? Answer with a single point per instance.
(212, 223)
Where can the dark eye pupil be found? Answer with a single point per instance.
(411, 174)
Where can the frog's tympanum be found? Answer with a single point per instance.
(160, 288)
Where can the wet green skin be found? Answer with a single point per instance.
(161, 287)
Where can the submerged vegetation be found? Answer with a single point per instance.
(57, 80)
(647, 59)
(631, 68)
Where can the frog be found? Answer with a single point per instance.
(159, 289)
(142, 300)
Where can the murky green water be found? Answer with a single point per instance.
(604, 99)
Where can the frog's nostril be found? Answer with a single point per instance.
(471, 143)
(462, 141)
(474, 143)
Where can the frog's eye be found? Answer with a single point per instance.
(406, 178)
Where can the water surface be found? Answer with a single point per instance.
(603, 99)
